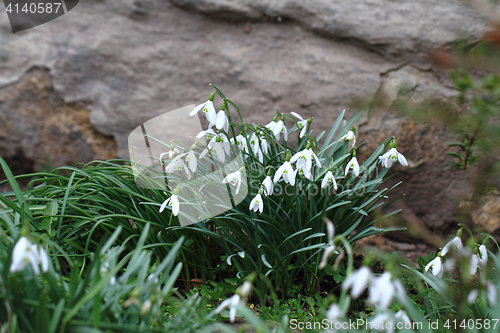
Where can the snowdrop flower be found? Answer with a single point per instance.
(304, 158)
(334, 315)
(473, 264)
(257, 203)
(287, 172)
(191, 160)
(330, 229)
(454, 244)
(301, 124)
(437, 266)
(353, 163)
(146, 307)
(471, 298)
(483, 255)
(103, 270)
(231, 303)
(241, 142)
(358, 280)
(208, 109)
(178, 164)
(384, 321)
(491, 293)
(402, 316)
(221, 121)
(209, 134)
(234, 179)
(172, 201)
(280, 128)
(268, 185)
(271, 124)
(392, 156)
(350, 136)
(219, 147)
(25, 253)
(381, 290)
(329, 178)
(173, 152)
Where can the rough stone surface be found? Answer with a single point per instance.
(129, 61)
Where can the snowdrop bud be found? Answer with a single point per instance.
(146, 307)
(223, 106)
(275, 118)
(269, 172)
(309, 144)
(309, 120)
(393, 144)
(459, 233)
(172, 146)
(212, 96)
(245, 289)
(193, 147)
(288, 156)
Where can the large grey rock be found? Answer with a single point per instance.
(129, 61)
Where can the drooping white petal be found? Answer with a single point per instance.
(491, 293)
(454, 244)
(402, 160)
(473, 264)
(358, 280)
(196, 109)
(44, 260)
(164, 204)
(483, 255)
(437, 267)
(268, 186)
(191, 161)
(471, 298)
(19, 255)
(221, 120)
(174, 202)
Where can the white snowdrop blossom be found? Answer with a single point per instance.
(301, 124)
(353, 163)
(231, 303)
(455, 244)
(392, 156)
(329, 179)
(491, 293)
(437, 266)
(217, 149)
(381, 290)
(208, 110)
(241, 142)
(172, 201)
(234, 179)
(287, 172)
(471, 298)
(330, 230)
(271, 124)
(383, 322)
(221, 121)
(173, 152)
(483, 255)
(280, 128)
(304, 158)
(104, 269)
(191, 161)
(334, 315)
(267, 186)
(25, 253)
(257, 203)
(358, 280)
(209, 134)
(402, 316)
(473, 264)
(350, 136)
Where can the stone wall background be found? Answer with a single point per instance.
(72, 90)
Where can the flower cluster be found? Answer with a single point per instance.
(264, 145)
